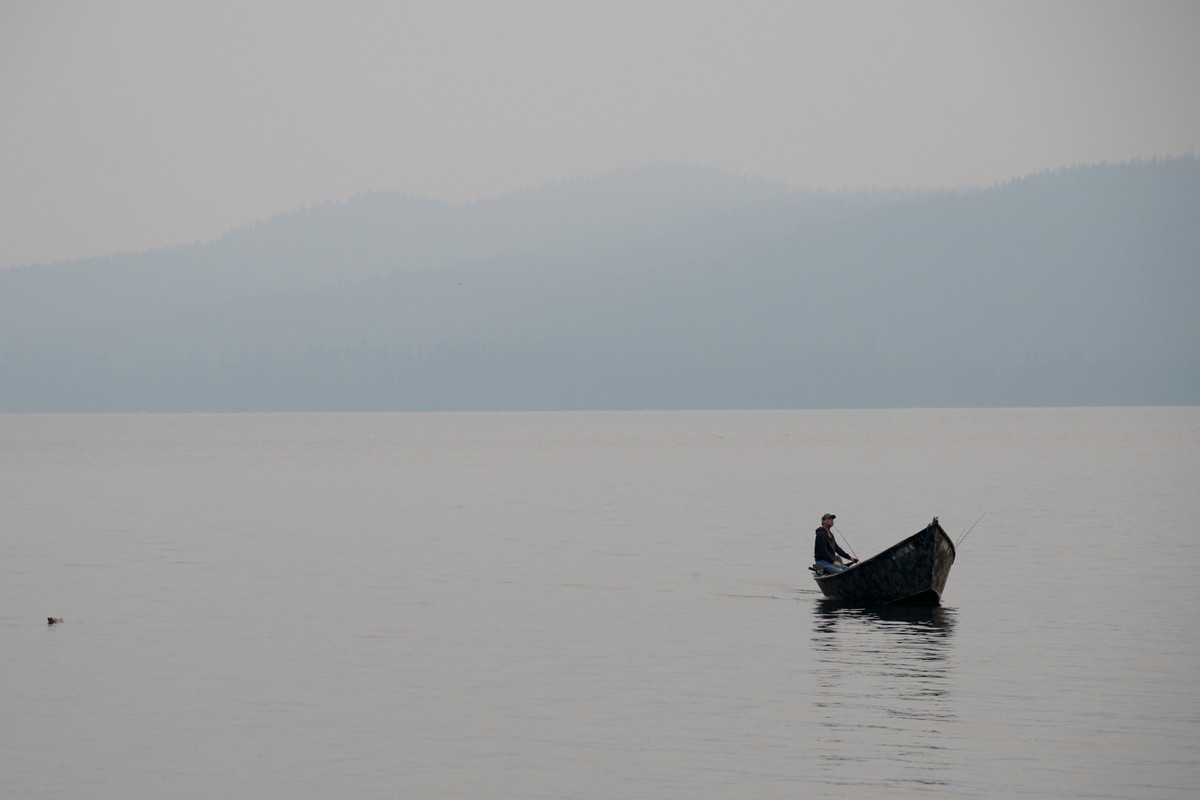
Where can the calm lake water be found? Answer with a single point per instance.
(494, 606)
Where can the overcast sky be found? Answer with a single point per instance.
(129, 125)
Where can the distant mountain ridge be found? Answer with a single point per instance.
(665, 287)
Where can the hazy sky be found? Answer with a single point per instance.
(128, 125)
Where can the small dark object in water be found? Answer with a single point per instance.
(52, 620)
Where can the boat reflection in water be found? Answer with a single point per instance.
(885, 703)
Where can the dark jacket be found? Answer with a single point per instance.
(826, 547)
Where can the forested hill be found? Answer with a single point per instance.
(667, 287)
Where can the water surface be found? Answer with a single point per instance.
(595, 606)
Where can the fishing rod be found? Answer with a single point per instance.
(847, 541)
(968, 533)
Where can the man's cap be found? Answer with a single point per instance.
(828, 516)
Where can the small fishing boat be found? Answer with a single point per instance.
(913, 571)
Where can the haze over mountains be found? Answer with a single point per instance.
(668, 287)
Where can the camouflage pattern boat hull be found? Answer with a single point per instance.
(913, 571)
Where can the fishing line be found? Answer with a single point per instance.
(968, 533)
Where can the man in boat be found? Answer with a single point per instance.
(827, 550)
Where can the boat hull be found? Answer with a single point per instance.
(913, 571)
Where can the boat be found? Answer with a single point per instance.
(912, 572)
